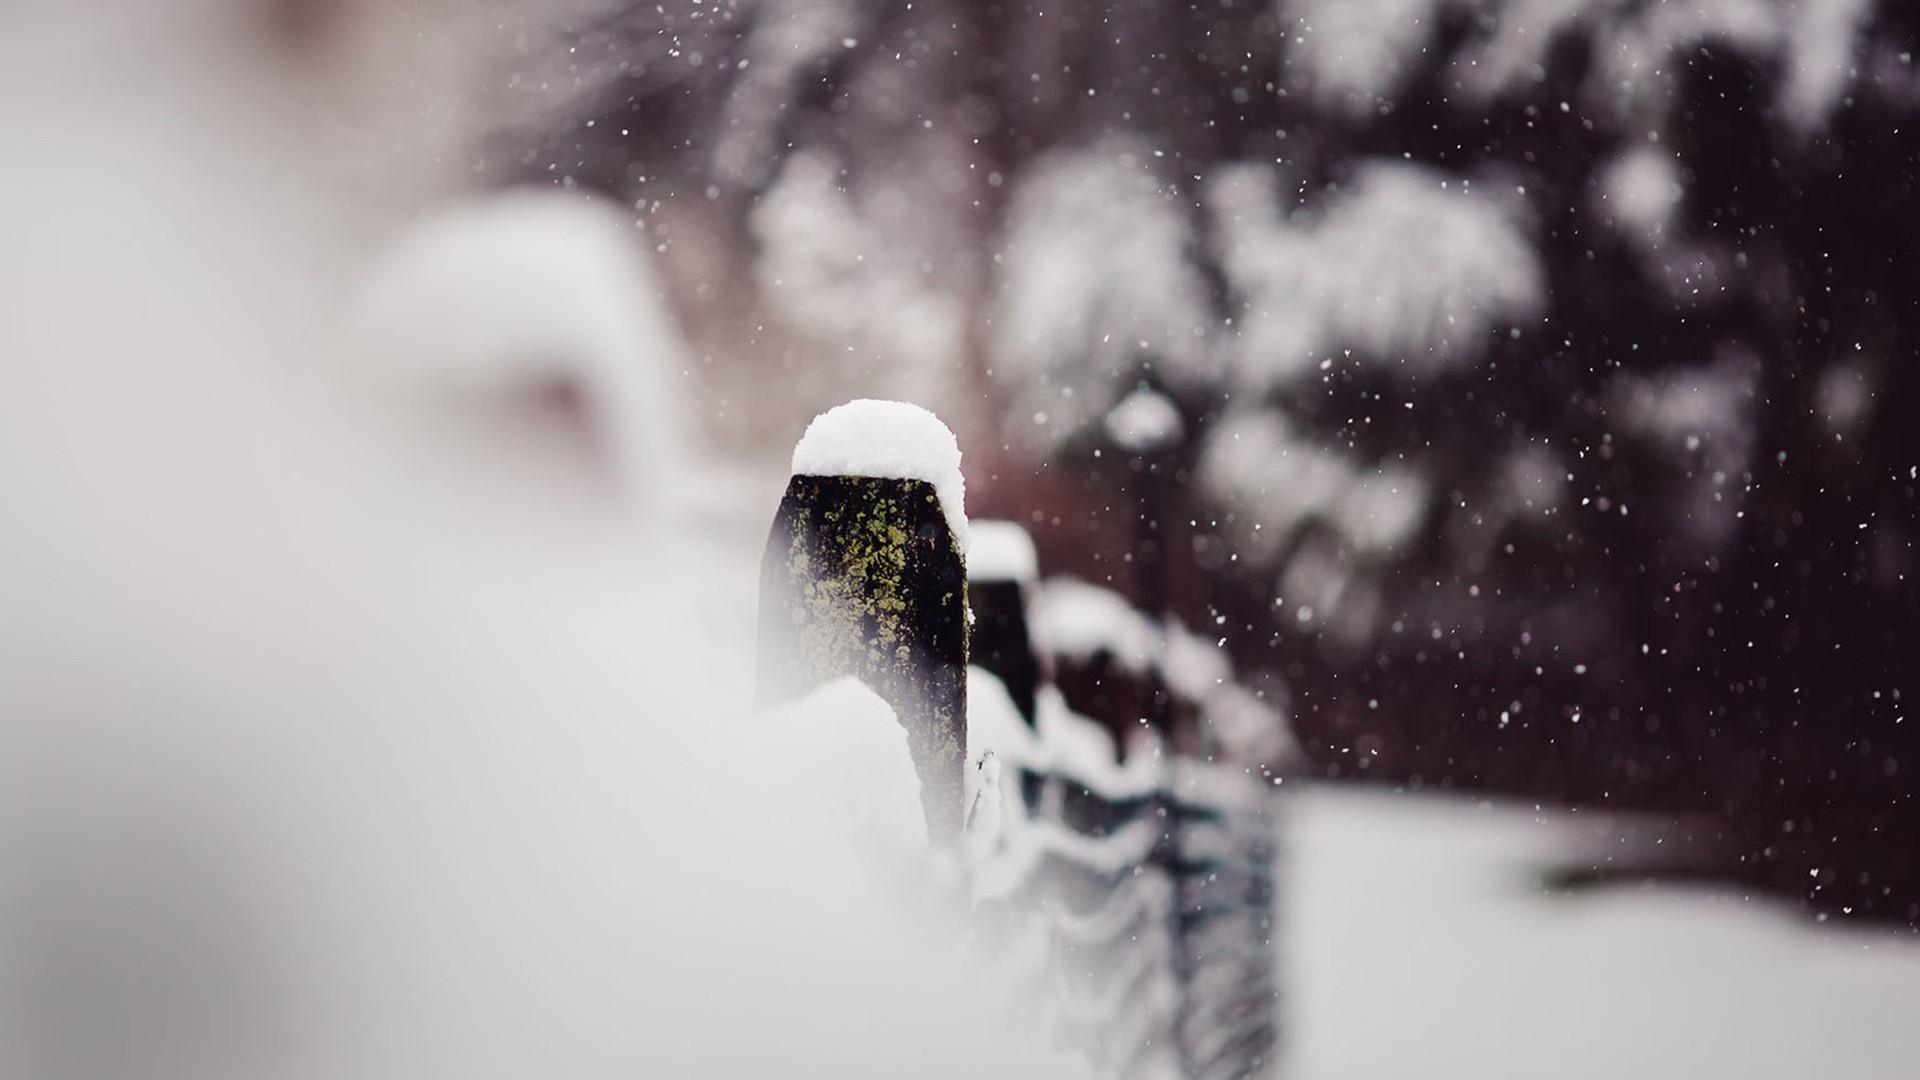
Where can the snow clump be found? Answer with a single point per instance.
(1002, 551)
(889, 439)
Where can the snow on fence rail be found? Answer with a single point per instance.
(1141, 857)
(1106, 782)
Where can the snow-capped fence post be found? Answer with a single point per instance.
(1001, 569)
(1147, 428)
(865, 575)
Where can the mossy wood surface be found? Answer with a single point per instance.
(862, 577)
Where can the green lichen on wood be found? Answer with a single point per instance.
(862, 577)
(864, 588)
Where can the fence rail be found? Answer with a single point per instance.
(1151, 881)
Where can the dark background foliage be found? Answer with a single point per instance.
(1712, 609)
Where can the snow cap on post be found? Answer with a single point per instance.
(888, 439)
(865, 575)
(1001, 551)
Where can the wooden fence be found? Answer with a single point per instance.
(1090, 769)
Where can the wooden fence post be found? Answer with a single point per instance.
(865, 575)
(1001, 569)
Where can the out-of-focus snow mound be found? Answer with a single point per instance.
(540, 297)
(354, 726)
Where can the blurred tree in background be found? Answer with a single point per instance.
(1541, 363)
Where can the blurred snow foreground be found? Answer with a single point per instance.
(368, 703)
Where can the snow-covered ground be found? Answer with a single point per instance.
(1419, 942)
